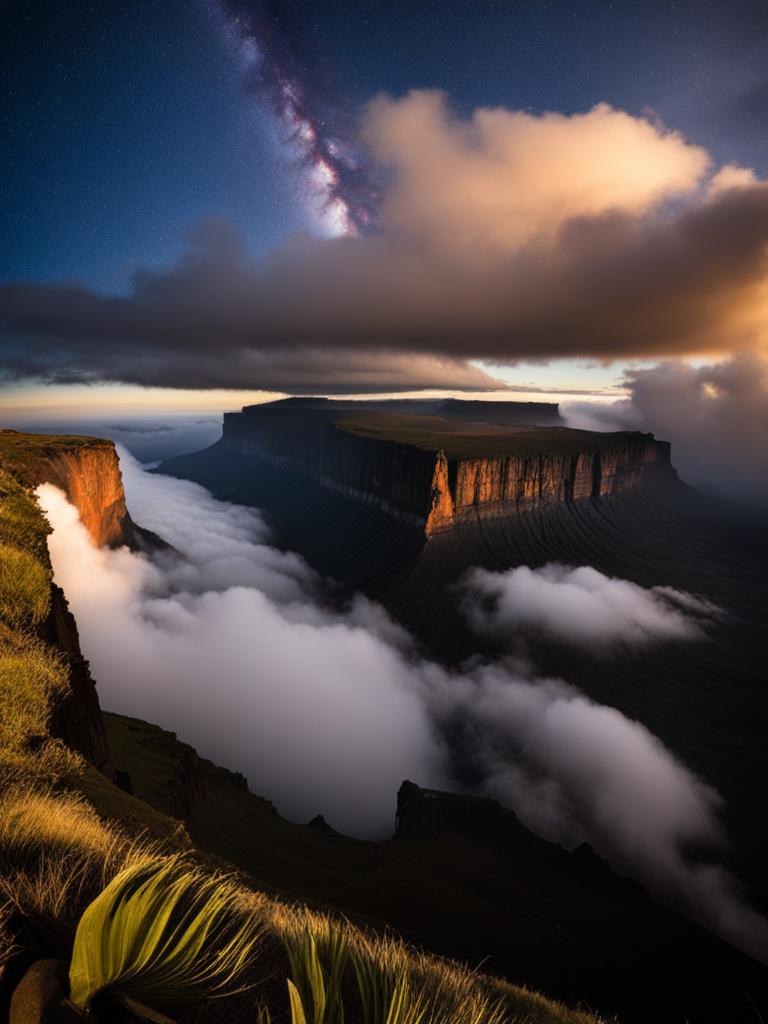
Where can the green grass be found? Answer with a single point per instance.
(480, 440)
(25, 587)
(33, 675)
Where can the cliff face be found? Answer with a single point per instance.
(438, 473)
(87, 469)
(77, 718)
(92, 482)
(479, 488)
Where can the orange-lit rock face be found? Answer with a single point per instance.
(441, 509)
(393, 464)
(509, 485)
(91, 480)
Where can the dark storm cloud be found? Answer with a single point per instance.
(504, 237)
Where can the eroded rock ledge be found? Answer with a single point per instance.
(438, 472)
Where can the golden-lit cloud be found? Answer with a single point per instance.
(503, 179)
(503, 236)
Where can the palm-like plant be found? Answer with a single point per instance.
(164, 935)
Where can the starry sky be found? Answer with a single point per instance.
(127, 124)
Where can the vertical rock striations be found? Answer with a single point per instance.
(92, 482)
(508, 485)
(437, 472)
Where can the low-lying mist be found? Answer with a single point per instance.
(581, 606)
(715, 415)
(230, 643)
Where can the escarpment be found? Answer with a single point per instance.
(86, 469)
(436, 471)
(77, 718)
(92, 482)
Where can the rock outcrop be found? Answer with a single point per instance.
(77, 719)
(431, 812)
(437, 472)
(87, 469)
(91, 480)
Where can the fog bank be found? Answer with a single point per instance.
(581, 606)
(230, 644)
(715, 415)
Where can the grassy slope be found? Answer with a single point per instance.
(32, 674)
(57, 848)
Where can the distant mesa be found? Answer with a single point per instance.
(440, 462)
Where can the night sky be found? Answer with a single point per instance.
(128, 123)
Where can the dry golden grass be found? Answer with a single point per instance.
(56, 855)
(378, 968)
(33, 679)
(25, 587)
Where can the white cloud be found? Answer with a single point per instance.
(715, 415)
(581, 606)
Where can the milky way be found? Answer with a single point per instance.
(285, 74)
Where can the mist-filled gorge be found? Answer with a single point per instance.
(238, 647)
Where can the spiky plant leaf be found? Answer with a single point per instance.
(317, 964)
(164, 934)
(405, 1008)
(297, 1007)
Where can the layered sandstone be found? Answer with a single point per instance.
(512, 484)
(438, 472)
(92, 482)
(86, 469)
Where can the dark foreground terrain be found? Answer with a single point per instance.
(507, 903)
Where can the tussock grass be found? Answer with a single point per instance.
(33, 676)
(22, 523)
(56, 855)
(341, 973)
(33, 680)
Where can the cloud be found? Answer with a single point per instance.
(715, 415)
(581, 606)
(503, 179)
(237, 647)
(576, 770)
(502, 236)
(227, 649)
